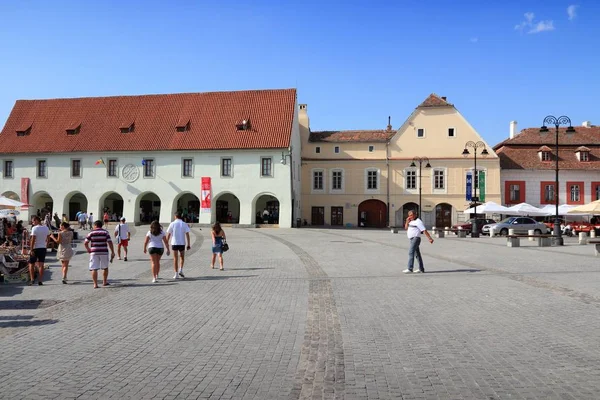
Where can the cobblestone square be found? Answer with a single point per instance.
(311, 314)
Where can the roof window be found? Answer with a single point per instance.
(183, 127)
(24, 130)
(127, 128)
(73, 129)
(244, 125)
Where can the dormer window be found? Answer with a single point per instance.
(127, 128)
(583, 154)
(24, 130)
(545, 153)
(243, 125)
(73, 129)
(183, 127)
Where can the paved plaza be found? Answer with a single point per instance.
(311, 314)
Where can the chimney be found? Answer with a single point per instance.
(389, 125)
(513, 129)
(587, 124)
(444, 98)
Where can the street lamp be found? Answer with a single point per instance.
(484, 153)
(420, 160)
(557, 122)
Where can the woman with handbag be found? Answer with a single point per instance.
(65, 248)
(155, 244)
(219, 245)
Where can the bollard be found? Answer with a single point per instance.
(394, 230)
(447, 231)
(593, 233)
(511, 231)
(531, 232)
(582, 238)
(492, 232)
(461, 233)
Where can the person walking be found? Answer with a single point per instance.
(97, 243)
(38, 246)
(65, 218)
(56, 219)
(82, 220)
(155, 244)
(218, 238)
(414, 227)
(91, 221)
(65, 248)
(106, 218)
(123, 236)
(177, 233)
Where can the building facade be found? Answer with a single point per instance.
(527, 159)
(144, 157)
(366, 178)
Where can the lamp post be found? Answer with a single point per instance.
(475, 146)
(420, 160)
(557, 122)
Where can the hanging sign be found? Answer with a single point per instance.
(469, 185)
(205, 195)
(482, 186)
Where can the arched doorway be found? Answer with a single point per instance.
(189, 205)
(75, 202)
(443, 215)
(372, 214)
(148, 207)
(227, 208)
(41, 204)
(11, 195)
(406, 208)
(271, 204)
(112, 203)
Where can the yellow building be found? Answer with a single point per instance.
(371, 178)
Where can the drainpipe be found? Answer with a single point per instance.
(292, 183)
(387, 163)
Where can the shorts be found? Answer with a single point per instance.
(123, 242)
(156, 250)
(98, 261)
(178, 247)
(37, 255)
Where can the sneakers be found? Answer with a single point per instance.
(420, 271)
(181, 274)
(408, 271)
(154, 280)
(175, 276)
(64, 281)
(41, 283)
(124, 258)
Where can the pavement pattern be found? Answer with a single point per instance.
(312, 314)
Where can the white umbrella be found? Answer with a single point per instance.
(6, 202)
(563, 209)
(526, 209)
(590, 208)
(487, 208)
(5, 213)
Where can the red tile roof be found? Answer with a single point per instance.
(373, 136)
(583, 136)
(212, 116)
(435, 101)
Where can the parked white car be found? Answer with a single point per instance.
(521, 225)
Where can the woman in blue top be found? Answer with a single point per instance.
(218, 237)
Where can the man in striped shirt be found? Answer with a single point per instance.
(97, 244)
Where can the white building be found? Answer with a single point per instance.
(153, 152)
(527, 162)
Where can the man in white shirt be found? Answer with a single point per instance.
(177, 233)
(414, 227)
(123, 236)
(37, 247)
(82, 220)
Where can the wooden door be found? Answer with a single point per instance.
(372, 213)
(318, 216)
(337, 216)
(443, 215)
(222, 209)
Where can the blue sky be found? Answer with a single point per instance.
(353, 62)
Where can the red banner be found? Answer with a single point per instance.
(25, 191)
(205, 195)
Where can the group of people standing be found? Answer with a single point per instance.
(99, 245)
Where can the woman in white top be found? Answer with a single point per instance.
(155, 244)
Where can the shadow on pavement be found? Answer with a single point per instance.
(452, 270)
(12, 289)
(15, 317)
(20, 324)
(27, 304)
(245, 269)
(217, 278)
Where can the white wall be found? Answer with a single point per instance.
(168, 184)
(533, 178)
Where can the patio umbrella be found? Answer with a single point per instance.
(526, 209)
(7, 203)
(590, 208)
(563, 209)
(487, 208)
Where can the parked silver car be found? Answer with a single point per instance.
(519, 224)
